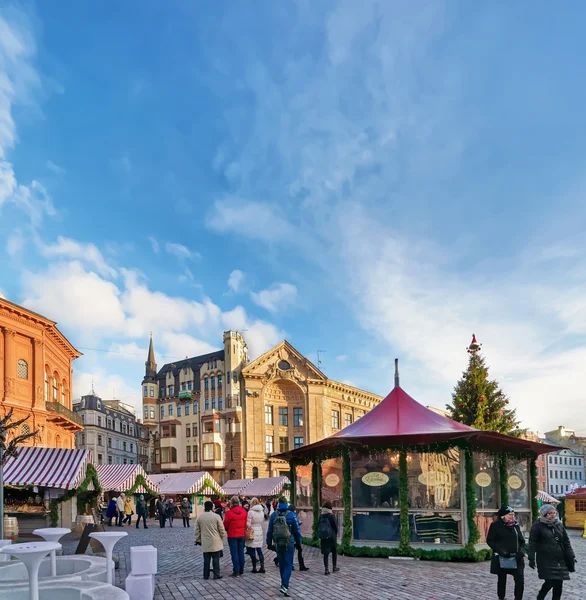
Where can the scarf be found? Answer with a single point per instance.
(549, 522)
(327, 511)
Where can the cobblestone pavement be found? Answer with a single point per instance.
(181, 566)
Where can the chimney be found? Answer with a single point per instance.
(397, 373)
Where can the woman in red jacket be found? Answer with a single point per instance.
(235, 524)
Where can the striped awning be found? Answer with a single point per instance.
(187, 484)
(266, 486)
(545, 497)
(119, 478)
(61, 468)
(233, 487)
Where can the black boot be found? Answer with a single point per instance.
(262, 566)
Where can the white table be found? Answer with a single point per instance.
(52, 534)
(109, 539)
(32, 554)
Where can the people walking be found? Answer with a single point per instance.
(162, 510)
(254, 534)
(185, 508)
(506, 540)
(327, 530)
(128, 511)
(298, 547)
(550, 545)
(283, 534)
(112, 511)
(209, 533)
(171, 511)
(120, 509)
(141, 511)
(235, 524)
(268, 509)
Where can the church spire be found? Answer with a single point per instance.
(150, 364)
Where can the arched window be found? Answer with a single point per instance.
(232, 473)
(46, 386)
(22, 369)
(55, 388)
(255, 472)
(63, 393)
(57, 441)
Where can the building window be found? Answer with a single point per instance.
(99, 459)
(347, 419)
(208, 427)
(162, 392)
(580, 505)
(131, 430)
(188, 454)
(555, 460)
(170, 410)
(124, 446)
(298, 417)
(22, 369)
(195, 407)
(82, 437)
(283, 416)
(162, 411)
(212, 452)
(152, 391)
(235, 399)
(234, 376)
(109, 423)
(269, 444)
(125, 461)
(124, 428)
(232, 474)
(231, 453)
(63, 394)
(188, 431)
(229, 401)
(109, 460)
(214, 403)
(169, 455)
(187, 409)
(335, 419)
(220, 403)
(109, 442)
(132, 447)
(171, 390)
(298, 442)
(54, 388)
(190, 385)
(179, 410)
(99, 440)
(213, 383)
(46, 387)
(255, 472)
(283, 443)
(268, 415)
(195, 454)
(184, 386)
(207, 404)
(206, 383)
(219, 382)
(194, 430)
(153, 413)
(145, 389)
(217, 422)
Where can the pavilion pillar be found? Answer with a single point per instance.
(404, 544)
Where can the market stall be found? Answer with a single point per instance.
(575, 508)
(414, 481)
(234, 487)
(265, 487)
(40, 484)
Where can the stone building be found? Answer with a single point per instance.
(219, 414)
(145, 446)
(36, 376)
(110, 430)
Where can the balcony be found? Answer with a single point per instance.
(63, 416)
(185, 394)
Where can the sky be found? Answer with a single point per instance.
(372, 180)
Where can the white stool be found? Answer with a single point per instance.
(140, 587)
(4, 557)
(143, 560)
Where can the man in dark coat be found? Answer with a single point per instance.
(328, 534)
(162, 510)
(555, 556)
(506, 540)
(141, 511)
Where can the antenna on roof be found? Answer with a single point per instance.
(318, 357)
(93, 391)
(397, 373)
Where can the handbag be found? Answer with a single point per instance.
(249, 535)
(510, 563)
(568, 559)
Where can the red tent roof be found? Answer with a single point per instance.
(399, 420)
(577, 494)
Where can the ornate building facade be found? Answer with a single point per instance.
(220, 414)
(36, 376)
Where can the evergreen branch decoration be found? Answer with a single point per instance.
(473, 533)
(293, 480)
(502, 460)
(91, 476)
(534, 488)
(404, 545)
(347, 501)
(315, 485)
(141, 481)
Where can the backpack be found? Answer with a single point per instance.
(281, 531)
(324, 529)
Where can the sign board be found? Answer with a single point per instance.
(375, 479)
(483, 479)
(332, 480)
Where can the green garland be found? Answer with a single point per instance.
(534, 488)
(404, 545)
(292, 479)
(140, 481)
(91, 476)
(347, 502)
(503, 480)
(315, 484)
(473, 533)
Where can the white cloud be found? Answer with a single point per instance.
(187, 275)
(342, 358)
(180, 251)
(87, 253)
(55, 168)
(2, 295)
(236, 280)
(259, 335)
(15, 243)
(180, 345)
(130, 351)
(278, 297)
(154, 244)
(106, 385)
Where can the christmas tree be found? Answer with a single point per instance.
(479, 402)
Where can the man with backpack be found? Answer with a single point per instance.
(283, 534)
(327, 530)
(299, 548)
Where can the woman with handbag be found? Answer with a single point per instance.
(254, 534)
(555, 556)
(506, 540)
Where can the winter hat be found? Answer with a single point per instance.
(545, 509)
(504, 510)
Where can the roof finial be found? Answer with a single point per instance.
(93, 391)
(397, 373)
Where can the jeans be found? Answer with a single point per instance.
(252, 552)
(215, 558)
(519, 578)
(170, 519)
(127, 519)
(285, 557)
(557, 585)
(334, 554)
(143, 517)
(162, 519)
(237, 553)
(119, 519)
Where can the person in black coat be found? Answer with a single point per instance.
(555, 557)
(328, 534)
(506, 540)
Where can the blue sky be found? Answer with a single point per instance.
(369, 179)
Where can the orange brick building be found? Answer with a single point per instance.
(36, 376)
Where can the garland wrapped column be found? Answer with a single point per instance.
(473, 533)
(315, 483)
(347, 499)
(292, 479)
(404, 545)
(534, 488)
(503, 480)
